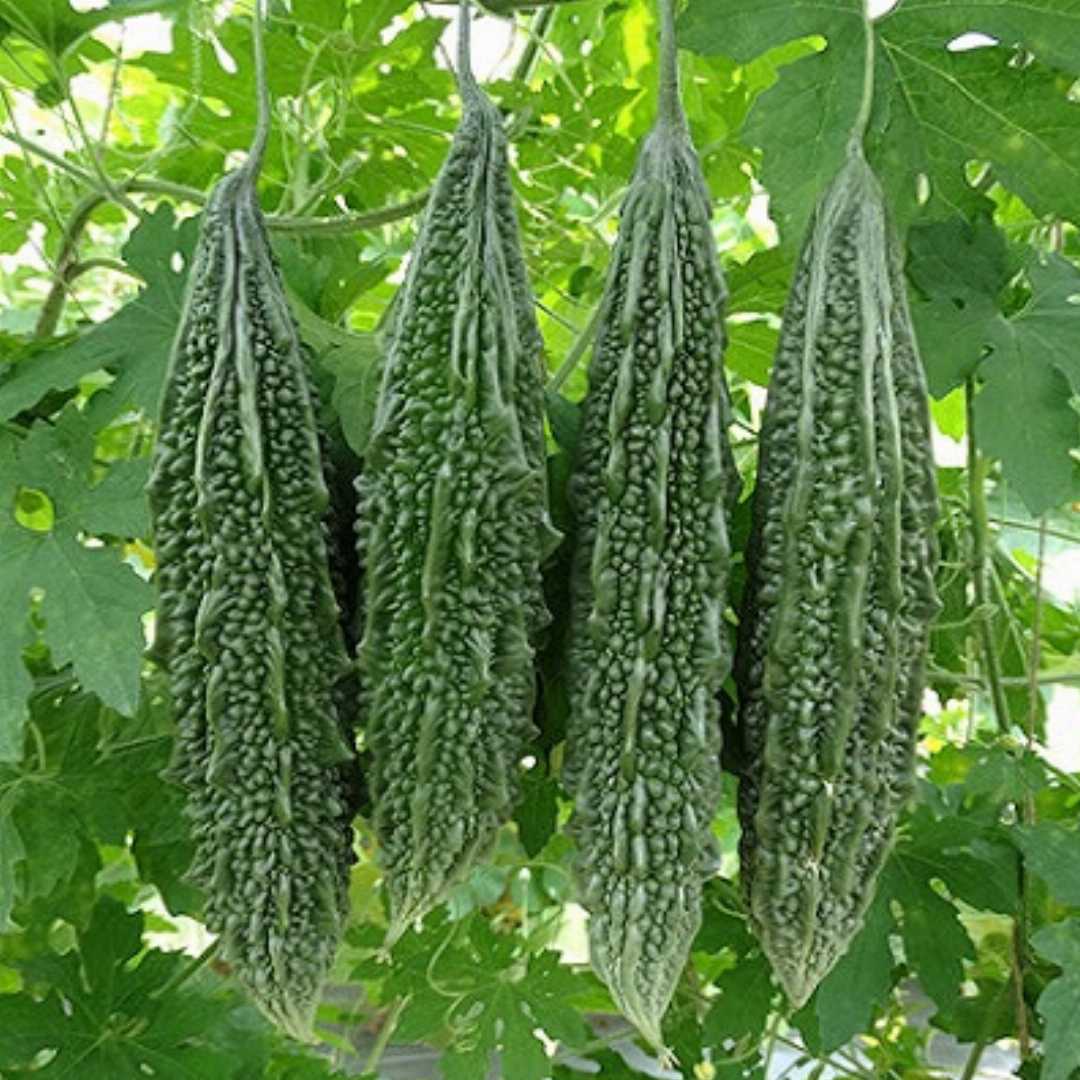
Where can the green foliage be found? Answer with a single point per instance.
(150, 318)
(111, 1008)
(476, 990)
(89, 600)
(1059, 1002)
(1026, 358)
(935, 109)
(972, 933)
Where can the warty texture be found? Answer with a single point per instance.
(247, 622)
(453, 530)
(840, 593)
(648, 651)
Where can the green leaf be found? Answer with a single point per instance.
(819, 95)
(751, 348)
(106, 1012)
(357, 372)
(1060, 944)
(803, 122)
(935, 942)
(1052, 851)
(1059, 1003)
(565, 419)
(761, 284)
(1050, 321)
(935, 108)
(968, 857)
(422, 1017)
(50, 836)
(92, 603)
(1059, 1006)
(502, 997)
(861, 981)
(1028, 362)
(972, 863)
(537, 812)
(371, 17)
(55, 26)
(749, 27)
(947, 108)
(987, 1015)
(1049, 29)
(133, 345)
(99, 784)
(12, 853)
(746, 996)
(1035, 454)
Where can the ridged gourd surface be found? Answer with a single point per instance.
(840, 594)
(649, 649)
(453, 528)
(247, 621)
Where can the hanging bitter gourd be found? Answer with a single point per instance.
(840, 592)
(247, 622)
(648, 649)
(454, 527)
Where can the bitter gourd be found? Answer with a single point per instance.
(840, 592)
(247, 620)
(454, 527)
(648, 647)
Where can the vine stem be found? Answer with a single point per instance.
(386, 1033)
(1041, 527)
(862, 118)
(537, 32)
(39, 745)
(831, 1061)
(772, 1034)
(52, 309)
(1036, 641)
(186, 972)
(67, 263)
(368, 219)
(971, 1066)
(980, 531)
(669, 108)
(262, 83)
(1013, 680)
(467, 84)
(84, 266)
(577, 351)
(1022, 923)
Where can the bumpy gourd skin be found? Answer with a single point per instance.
(648, 651)
(840, 592)
(453, 529)
(247, 622)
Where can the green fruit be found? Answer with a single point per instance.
(840, 594)
(648, 648)
(247, 621)
(453, 529)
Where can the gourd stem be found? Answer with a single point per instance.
(466, 80)
(669, 108)
(862, 119)
(262, 83)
